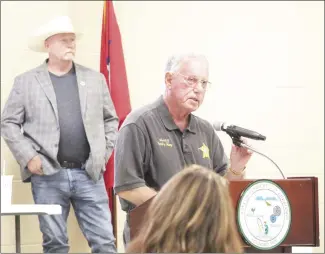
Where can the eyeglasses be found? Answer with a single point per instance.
(192, 81)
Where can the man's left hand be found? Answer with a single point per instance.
(239, 157)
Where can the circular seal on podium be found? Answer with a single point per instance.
(264, 215)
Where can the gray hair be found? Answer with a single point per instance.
(175, 61)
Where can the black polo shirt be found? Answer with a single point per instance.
(150, 149)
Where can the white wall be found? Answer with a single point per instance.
(267, 70)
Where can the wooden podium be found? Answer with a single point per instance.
(302, 193)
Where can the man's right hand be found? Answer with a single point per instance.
(35, 165)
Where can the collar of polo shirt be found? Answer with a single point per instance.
(168, 120)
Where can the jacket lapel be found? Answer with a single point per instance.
(82, 87)
(44, 79)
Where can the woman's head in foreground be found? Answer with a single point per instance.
(193, 212)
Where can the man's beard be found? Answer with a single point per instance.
(69, 56)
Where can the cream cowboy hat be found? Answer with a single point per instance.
(58, 25)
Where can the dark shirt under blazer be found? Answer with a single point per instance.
(32, 105)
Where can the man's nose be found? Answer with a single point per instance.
(71, 44)
(197, 89)
(199, 86)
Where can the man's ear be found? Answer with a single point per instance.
(168, 79)
(46, 44)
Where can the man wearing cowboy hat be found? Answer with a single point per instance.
(60, 123)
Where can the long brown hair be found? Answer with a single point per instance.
(193, 212)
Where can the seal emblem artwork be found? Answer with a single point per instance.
(264, 215)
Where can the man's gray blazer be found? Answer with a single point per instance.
(32, 105)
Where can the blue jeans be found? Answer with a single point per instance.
(90, 203)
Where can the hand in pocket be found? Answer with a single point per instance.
(35, 165)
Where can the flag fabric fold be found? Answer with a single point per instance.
(112, 66)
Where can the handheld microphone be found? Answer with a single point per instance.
(235, 131)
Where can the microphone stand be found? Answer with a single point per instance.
(238, 142)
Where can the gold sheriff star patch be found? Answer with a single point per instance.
(205, 151)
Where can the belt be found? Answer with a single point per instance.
(67, 164)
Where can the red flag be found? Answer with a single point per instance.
(113, 67)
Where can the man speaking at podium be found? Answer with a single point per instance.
(158, 140)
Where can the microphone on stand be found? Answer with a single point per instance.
(236, 133)
(234, 130)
